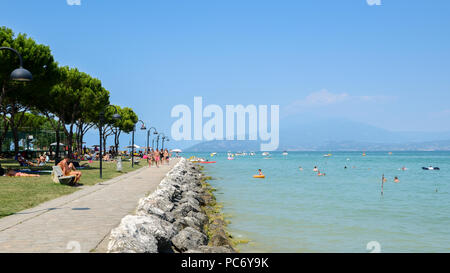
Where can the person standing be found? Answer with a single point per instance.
(166, 156)
(161, 156)
(156, 155)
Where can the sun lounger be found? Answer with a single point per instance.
(59, 177)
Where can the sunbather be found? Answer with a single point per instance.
(69, 169)
(12, 173)
(23, 162)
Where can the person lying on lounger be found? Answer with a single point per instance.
(12, 173)
(23, 162)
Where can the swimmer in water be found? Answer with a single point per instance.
(320, 174)
(300, 168)
(396, 180)
(345, 167)
(260, 172)
(315, 169)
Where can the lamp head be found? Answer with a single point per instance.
(116, 116)
(21, 74)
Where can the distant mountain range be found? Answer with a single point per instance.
(337, 135)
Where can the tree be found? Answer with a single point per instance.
(128, 119)
(76, 93)
(16, 98)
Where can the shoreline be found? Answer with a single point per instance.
(181, 216)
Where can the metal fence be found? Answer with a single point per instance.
(33, 141)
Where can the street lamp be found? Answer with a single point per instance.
(157, 139)
(164, 139)
(148, 137)
(132, 140)
(19, 74)
(115, 116)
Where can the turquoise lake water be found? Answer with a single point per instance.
(297, 211)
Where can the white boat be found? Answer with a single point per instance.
(285, 153)
(265, 153)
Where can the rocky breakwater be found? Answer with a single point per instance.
(181, 216)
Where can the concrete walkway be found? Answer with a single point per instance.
(81, 221)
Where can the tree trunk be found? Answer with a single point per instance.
(70, 140)
(58, 140)
(3, 92)
(116, 141)
(3, 135)
(15, 121)
(79, 143)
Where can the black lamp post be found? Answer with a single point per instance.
(115, 116)
(148, 137)
(157, 139)
(164, 139)
(157, 142)
(19, 74)
(132, 140)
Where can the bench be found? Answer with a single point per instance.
(59, 177)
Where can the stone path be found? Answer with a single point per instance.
(81, 221)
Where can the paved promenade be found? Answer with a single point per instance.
(82, 221)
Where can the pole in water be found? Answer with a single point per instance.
(382, 183)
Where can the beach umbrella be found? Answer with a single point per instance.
(176, 150)
(54, 144)
(135, 146)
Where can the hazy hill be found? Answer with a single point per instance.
(337, 135)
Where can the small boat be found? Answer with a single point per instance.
(265, 154)
(206, 162)
(259, 176)
(285, 153)
(431, 168)
(327, 155)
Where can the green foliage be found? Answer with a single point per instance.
(33, 121)
(77, 95)
(73, 97)
(127, 121)
(37, 59)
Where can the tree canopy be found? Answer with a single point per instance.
(70, 100)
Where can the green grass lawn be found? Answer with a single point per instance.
(19, 193)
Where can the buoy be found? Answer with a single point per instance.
(259, 176)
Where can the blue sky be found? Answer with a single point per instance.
(387, 65)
